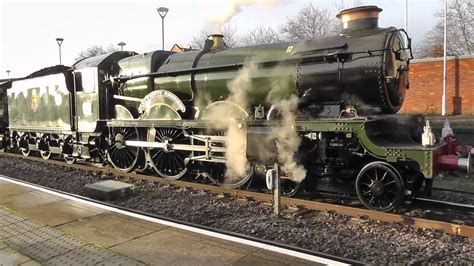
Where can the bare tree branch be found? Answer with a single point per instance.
(261, 35)
(460, 31)
(95, 50)
(311, 22)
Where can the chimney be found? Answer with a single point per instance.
(217, 42)
(357, 18)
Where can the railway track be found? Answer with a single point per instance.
(447, 203)
(453, 191)
(446, 227)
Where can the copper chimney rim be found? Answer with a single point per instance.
(359, 17)
(218, 41)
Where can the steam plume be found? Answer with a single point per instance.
(288, 140)
(215, 25)
(237, 163)
(230, 117)
(286, 137)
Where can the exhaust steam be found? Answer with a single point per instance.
(230, 117)
(215, 25)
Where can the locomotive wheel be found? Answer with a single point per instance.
(4, 142)
(69, 159)
(67, 149)
(168, 163)
(45, 155)
(123, 158)
(216, 172)
(289, 188)
(24, 140)
(25, 151)
(3, 145)
(380, 187)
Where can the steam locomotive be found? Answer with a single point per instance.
(323, 109)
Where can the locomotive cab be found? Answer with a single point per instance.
(93, 96)
(3, 105)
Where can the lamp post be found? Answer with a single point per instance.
(8, 73)
(443, 98)
(121, 44)
(406, 23)
(162, 11)
(59, 41)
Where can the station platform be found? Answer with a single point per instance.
(39, 228)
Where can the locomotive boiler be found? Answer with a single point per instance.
(363, 66)
(323, 109)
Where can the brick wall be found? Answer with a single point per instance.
(426, 86)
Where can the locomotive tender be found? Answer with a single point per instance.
(327, 106)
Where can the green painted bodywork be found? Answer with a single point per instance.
(87, 111)
(3, 108)
(211, 86)
(137, 65)
(93, 104)
(40, 104)
(343, 68)
(423, 156)
(87, 100)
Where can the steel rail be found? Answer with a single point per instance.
(446, 203)
(452, 190)
(446, 227)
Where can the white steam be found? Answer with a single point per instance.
(240, 86)
(288, 140)
(286, 137)
(236, 138)
(237, 165)
(232, 113)
(215, 24)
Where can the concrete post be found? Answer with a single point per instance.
(276, 190)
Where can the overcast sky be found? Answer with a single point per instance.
(28, 29)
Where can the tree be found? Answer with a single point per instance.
(460, 31)
(311, 22)
(95, 50)
(230, 36)
(261, 35)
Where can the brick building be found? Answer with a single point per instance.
(426, 86)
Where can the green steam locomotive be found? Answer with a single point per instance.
(323, 109)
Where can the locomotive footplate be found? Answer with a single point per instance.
(181, 124)
(376, 136)
(379, 144)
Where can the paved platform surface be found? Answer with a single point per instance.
(78, 232)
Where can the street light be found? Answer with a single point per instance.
(406, 23)
(162, 11)
(443, 98)
(59, 41)
(8, 73)
(121, 44)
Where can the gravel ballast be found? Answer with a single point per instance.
(361, 239)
